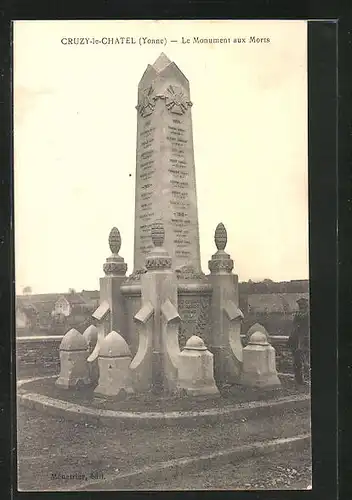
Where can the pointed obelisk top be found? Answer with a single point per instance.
(161, 62)
(163, 67)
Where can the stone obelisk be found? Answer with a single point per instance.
(165, 172)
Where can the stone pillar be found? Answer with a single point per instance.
(155, 361)
(259, 365)
(114, 374)
(110, 286)
(110, 315)
(226, 317)
(196, 369)
(73, 361)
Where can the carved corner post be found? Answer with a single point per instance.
(170, 322)
(159, 292)
(101, 317)
(225, 342)
(110, 285)
(232, 324)
(141, 365)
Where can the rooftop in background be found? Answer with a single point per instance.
(45, 302)
(91, 295)
(40, 303)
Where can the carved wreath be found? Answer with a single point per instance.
(176, 101)
(216, 265)
(146, 104)
(119, 268)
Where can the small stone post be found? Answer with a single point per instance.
(114, 360)
(196, 369)
(257, 327)
(225, 342)
(259, 365)
(73, 361)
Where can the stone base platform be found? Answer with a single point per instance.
(234, 403)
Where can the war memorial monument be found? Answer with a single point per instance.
(167, 328)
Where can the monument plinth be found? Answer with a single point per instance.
(165, 172)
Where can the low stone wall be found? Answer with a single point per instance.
(39, 355)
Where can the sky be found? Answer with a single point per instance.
(75, 126)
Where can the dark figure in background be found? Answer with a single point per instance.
(299, 342)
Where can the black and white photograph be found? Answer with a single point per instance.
(162, 255)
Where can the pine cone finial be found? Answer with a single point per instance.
(115, 240)
(220, 236)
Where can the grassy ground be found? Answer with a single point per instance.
(49, 445)
(229, 396)
(282, 471)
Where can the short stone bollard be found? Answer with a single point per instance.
(257, 327)
(114, 373)
(91, 336)
(196, 369)
(73, 361)
(259, 364)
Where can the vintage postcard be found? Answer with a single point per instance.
(162, 267)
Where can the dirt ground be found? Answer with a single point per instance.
(49, 446)
(278, 471)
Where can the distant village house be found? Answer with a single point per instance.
(51, 313)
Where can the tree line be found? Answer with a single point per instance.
(268, 286)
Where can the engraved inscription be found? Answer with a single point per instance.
(193, 311)
(165, 180)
